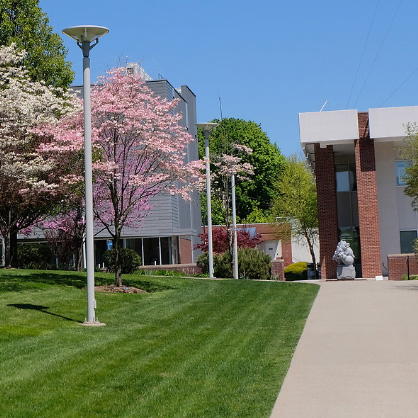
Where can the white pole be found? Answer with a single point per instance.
(234, 226)
(142, 251)
(85, 35)
(88, 180)
(209, 205)
(159, 251)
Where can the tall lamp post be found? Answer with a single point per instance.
(85, 36)
(207, 128)
(234, 228)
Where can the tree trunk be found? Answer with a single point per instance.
(10, 244)
(7, 255)
(118, 262)
(311, 250)
(79, 257)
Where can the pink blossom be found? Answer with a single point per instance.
(140, 150)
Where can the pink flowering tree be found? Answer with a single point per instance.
(228, 164)
(140, 151)
(30, 184)
(65, 236)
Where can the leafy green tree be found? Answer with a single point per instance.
(410, 178)
(24, 23)
(297, 201)
(254, 196)
(410, 153)
(218, 213)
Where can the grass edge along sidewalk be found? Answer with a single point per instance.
(188, 348)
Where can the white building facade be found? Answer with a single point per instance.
(358, 166)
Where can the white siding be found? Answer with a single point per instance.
(328, 127)
(390, 197)
(391, 122)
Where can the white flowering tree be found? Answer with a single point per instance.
(29, 182)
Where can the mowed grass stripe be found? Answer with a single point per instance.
(206, 349)
(230, 362)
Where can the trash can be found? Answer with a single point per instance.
(311, 271)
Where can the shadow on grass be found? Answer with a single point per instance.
(39, 308)
(17, 280)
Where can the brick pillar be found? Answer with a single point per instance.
(368, 210)
(287, 252)
(285, 236)
(327, 210)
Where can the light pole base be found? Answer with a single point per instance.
(95, 323)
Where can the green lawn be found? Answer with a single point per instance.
(189, 348)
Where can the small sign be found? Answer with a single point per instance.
(109, 243)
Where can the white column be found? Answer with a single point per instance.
(234, 228)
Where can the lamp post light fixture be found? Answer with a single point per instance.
(87, 37)
(207, 128)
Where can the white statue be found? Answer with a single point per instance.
(344, 254)
(345, 257)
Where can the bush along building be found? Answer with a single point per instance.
(358, 167)
(170, 232)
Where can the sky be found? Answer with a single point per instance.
(265, 61)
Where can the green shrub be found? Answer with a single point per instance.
(130, 260)
(35, 256)
(296, 271)
(203, 262)
(223, 265)
(252, 264)
(411, 277)
(415, 247)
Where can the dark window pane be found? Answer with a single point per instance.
(407, 241)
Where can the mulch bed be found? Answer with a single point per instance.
(115, 289)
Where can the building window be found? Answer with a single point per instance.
(400, 172)
(346, 177)
(407, 241)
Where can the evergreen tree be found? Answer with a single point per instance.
(24, 23)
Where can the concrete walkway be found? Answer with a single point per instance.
(358, 354)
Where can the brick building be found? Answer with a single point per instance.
(358, 168)
(288, 248)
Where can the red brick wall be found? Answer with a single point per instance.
(327, 210)
(271, 232)
(367, 201)
(287, 252)
(267, 231)
(398, 265)
(277, 269)
(185, 250)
